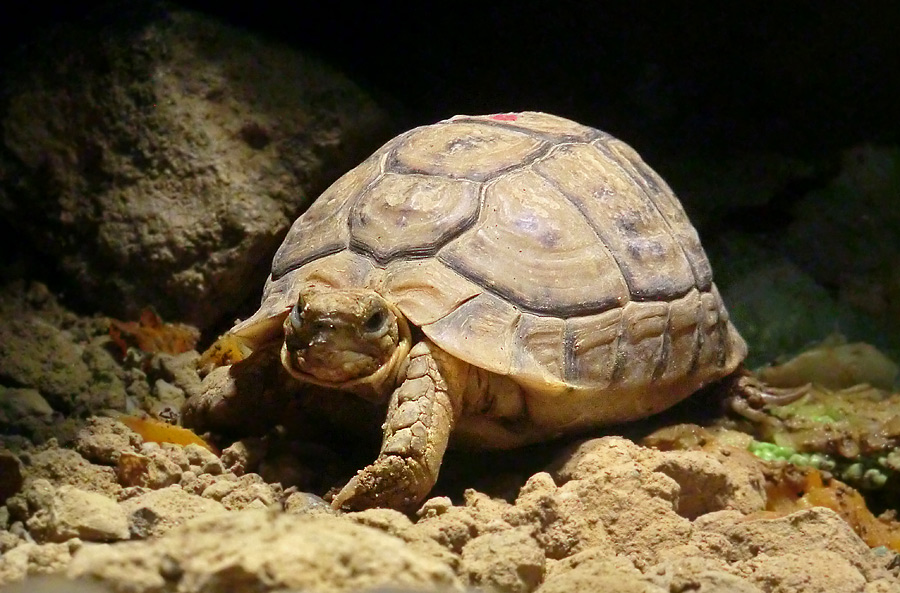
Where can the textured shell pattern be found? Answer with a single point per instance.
(525, 244)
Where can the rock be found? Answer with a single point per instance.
(158, 511)
(35, 559)
(710, 483)
(387, 520)
(67, 512)
(635, 507)
(564, 525)
(724, 478)
(8, 541)
(609, 483)
(53, 362)
(180, 370)
(198, 456)
(167, 169)
(70, 374)
(168, 399)
(765, 302)
(103, 440)
(305, 503)
(801, 533)
(595, 570)
(17, 404)
(56, 584)
(698, 573)
(247, 491)
(847, 233)
(263, 551)
(509, 561)
(11, 476)
(817, 571)
(451, 529)
(66, 467)
(152, 470)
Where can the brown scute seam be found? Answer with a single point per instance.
(587, 218)
(417, 252)
(725, 344)
(641, 181)
(635, 294)
(619, 360)
(576, 310)
(699, 340)
(411, 253)
(325, 252)
(332, 249)
(555, 139)
(392, 165)
(569, 355)
(665, 349)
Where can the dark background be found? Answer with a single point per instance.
(789, 77)
(746, 108)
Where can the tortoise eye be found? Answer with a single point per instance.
(375, 322)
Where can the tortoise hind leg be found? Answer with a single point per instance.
(748, 394)
(421, 415)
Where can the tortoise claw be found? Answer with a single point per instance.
(392, 481)
(749, 395)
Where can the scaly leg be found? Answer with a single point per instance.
(420, 417)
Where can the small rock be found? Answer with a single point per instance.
(17, 404)
(818, 571)
(306, 503)
(386, 520)
(707, 484)
(198, 456)
(244, 455)
(70, 512)
(213, 467)
(197, 484)
(8, 541)
(167, 401)
(103, 439)
(250, 492)
(11, 478)
(181, 371)
(596, 570)
(265, 551)
(153, 470)
(66, 466)
(158, 511)
(177, 455)
(451, 529)
(219, 488)
(35, 559)
(509, 561)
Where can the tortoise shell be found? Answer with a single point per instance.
(528, 245)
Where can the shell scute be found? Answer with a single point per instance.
(464, 150)
(411, 215)
(323, 228)
(628, 224)
(528, 245)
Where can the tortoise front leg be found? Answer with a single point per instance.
(420, 417)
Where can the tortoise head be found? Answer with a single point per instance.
(345, 338)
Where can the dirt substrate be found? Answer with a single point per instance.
(607, 515)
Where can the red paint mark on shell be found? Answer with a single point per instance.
(505, 116)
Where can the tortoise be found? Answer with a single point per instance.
(504, 279)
